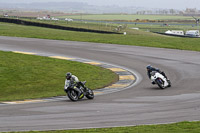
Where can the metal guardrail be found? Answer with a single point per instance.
(186, 36)
(23, 22)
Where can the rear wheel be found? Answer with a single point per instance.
(73, 95)
(169, 82)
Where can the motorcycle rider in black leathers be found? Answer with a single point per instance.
(151, 69)
(74, 80)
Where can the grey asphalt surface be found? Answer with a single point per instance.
(141, 104)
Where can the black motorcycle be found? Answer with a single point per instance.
(73, 91)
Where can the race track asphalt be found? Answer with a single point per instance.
(140, 104)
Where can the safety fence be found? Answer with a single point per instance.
(29, 23)
(177, 35)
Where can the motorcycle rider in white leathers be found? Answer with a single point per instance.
(75, 81)
(150, 69)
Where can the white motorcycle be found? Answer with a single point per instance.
(160, 80)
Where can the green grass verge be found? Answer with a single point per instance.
(30, 76)
(133, 37)
(182, 127)
(161, 28)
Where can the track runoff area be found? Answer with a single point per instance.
(127, 79)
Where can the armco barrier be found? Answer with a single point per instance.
(177, 35)
(23, 22)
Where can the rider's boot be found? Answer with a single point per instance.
(84, 87)
(163, 73)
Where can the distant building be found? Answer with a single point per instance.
(194, 33)
(5, 15)
(55, 19)
(189, 33)
(175, 32)
(68, 19)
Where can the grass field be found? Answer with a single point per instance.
(162, 28)
(182, 127)
(30, 76)
(158, 27)
(127, 17)
(133, 37)
(78, 24)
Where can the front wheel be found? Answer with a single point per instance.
(90, 94)
(160, 83)
(73, 95)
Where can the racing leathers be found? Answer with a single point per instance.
(75, 81)
(157, 70)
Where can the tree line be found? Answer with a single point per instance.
(187, 11)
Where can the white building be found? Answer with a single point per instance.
(175, 32)
(68, 19)
(192, 33)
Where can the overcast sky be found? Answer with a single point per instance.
(176, 4)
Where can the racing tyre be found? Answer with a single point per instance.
(160, 83)
(169, 82)
(73, 95)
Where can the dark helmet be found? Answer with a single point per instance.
(149, 67)
(68, 75)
